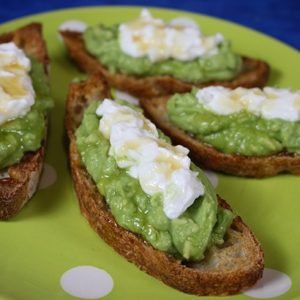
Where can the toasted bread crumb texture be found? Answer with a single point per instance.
(253, 73)
(23, 179)
(211, 277)
(209, 158)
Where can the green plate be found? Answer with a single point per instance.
(49, 237)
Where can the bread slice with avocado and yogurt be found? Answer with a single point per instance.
(24, 101)
(138, 193)
(178, 58)
(243, 132)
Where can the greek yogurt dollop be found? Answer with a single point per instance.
(158, 40)
(16, 92)
(159, 166)
(268, 103)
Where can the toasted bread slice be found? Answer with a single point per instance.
(210, 158)
(236, 265)
(21, 180)
(254, 73)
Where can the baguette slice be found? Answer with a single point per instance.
(254, 73)
(210, 158)
(237, 265)
(21, 180)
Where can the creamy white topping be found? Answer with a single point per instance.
(16, 91)
(180, 39)
(268, 103)
(126, 97)
(159, 166)
(73, 25)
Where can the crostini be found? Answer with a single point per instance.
(243, 132)
(149, 57)
(25, 102)
(151, 229)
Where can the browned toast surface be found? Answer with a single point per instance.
(210, 158)
(22, 179)
(254, 73)
(238, 264)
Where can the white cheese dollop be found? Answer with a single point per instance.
(268, 103)
(159, 166)
(16, 91)
(180, 39)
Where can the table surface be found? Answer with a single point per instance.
(277, 18)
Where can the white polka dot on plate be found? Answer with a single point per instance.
(48, 177)
(86, 282)
(213, 178)
(272, 284)
(73, 25)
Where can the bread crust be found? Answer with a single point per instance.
(210, 158)
(21, 180)
(254, 73)
(236, 266)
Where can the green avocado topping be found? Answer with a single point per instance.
(240, 133)
(103, 42)
(202, 225)
(26, 133)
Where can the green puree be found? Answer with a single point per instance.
(26, 133)
(197, 229)
(102, 42)
(240, 133)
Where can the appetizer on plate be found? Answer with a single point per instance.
(151, 57)
(147, 200)
(245, 132)
(24, 104)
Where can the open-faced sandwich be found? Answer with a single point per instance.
(147, 200)
(245, 132)
(149, 57)
(24, 102)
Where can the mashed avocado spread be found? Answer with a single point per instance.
(103, 42)
(201, 226)
(26, 133)
(238, 133)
